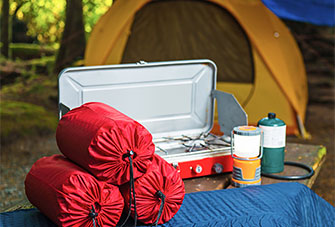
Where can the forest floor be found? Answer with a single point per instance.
(19, 154)
(317, 47)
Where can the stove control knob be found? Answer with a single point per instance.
(218, 168)
(198, 169)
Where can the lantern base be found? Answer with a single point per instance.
(243, 184)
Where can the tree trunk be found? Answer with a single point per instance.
(73, 41)
(4, 28)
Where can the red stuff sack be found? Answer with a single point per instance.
(70, 196)
(159, 193)
(101, 140)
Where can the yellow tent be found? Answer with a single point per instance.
(258, 59)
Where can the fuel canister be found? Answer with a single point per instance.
(274, 131)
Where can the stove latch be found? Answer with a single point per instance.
(176, 166)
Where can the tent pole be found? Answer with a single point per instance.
(302, 130)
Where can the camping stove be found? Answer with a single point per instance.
(174, 100)
(196, 156)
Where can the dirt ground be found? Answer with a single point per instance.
(321, 125)
(317, 46)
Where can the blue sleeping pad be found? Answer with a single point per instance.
(282, 204)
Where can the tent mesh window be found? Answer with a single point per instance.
(177, 30)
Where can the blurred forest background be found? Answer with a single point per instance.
(38, 39)
(41, 37)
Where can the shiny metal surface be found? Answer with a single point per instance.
(169, 98)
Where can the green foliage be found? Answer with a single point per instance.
(33, 88)
(43, 65)
(93, 9)
(29, 97)
(29, 51)
(28, 105)
(20, 120)
(46, 18)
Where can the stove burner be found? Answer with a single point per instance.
(184, 143)
(195, 145)
(203, 141)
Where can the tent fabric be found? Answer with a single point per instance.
(319, 12)
(67, 194)
(99, 138)
(202, 32)
(277, 64)
(161, 177)
(282, 204)
(277, 48)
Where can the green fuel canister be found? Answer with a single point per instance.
(274, 144)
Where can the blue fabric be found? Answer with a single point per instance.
(25, 218)
(319, 12)
(282, 204)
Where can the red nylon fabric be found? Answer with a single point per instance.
(97, 137)
(65, 193)
(160, 176)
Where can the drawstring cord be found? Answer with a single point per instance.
(94, 215)
(131, 190)
(132, 184)
(160, 195)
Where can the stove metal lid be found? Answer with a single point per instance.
(169, 98)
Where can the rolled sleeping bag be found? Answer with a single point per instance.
(102, 140)
(159, 193)
(70, 196)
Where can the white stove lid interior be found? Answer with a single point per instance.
(169, 98)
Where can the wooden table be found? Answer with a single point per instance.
(312, 155)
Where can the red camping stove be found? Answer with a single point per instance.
(174, 101)
(203, 155)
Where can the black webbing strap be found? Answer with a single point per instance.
(131, 190)
(160, 195)
(94, 216)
